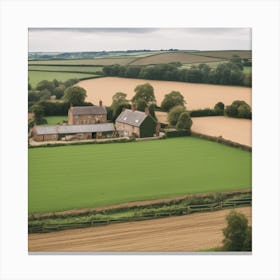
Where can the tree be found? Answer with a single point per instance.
(119, 98)
(175, 113)
(220, 108)
(70, 82)
(171, 100)
(141, 105)
(38, 114)
(118, 109)
(59, 91)
(45, 85)
(237, 234)
(75, 95)
(236, 59)
(184, 121)
(239, 109)
(144, 92)
(44, 94)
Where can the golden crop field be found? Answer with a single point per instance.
(197, 96)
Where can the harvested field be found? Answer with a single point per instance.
(182, 57)
(188, 233)
(197, 96)
(225, 54)
(236, 130)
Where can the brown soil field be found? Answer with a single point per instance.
(225, 54)
(173, 57)
(197, 96)
(236, 130)
(188, 233)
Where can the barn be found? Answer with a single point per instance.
(72, 132)
(136, 123)
(87, 114)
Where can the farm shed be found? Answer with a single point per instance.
(87, 114)
(72, 132)
(140, 124)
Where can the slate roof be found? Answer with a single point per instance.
(134, 118)
(67, 129)
(88, 110)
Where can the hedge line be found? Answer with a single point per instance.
(222, 141)
(177, 133)
(185, 206)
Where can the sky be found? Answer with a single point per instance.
(110, 39)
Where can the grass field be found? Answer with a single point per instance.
(97, 61)
(69, 68)
(37, 76)
(69, 177)
(53, 120)
(225, 54)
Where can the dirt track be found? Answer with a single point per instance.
(185, 234)
(197, 96)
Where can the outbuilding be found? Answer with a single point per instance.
(72, 132)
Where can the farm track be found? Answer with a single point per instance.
(188, 233)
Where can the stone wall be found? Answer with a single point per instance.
(126, 129)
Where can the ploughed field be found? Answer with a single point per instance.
(188, 233)
(197, 96)
(94, 175)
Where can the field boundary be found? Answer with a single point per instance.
(147, 213)
(222, 140)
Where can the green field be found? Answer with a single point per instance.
(37, 76)
(70, 68)
(94, 175)
(53, 120)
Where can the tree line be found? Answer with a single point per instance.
(228, 73)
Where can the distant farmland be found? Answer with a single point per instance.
(70, 177)
(183, 57)
(36, 76)
(225, 54)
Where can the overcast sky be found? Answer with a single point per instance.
(98, 39)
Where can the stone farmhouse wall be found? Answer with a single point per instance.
(86, 119)
(127, 129)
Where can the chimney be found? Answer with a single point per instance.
(100, 103)
(133, 107)
(147, 111)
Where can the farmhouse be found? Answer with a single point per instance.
(137, 123)
(87, 114)
(72, 132)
